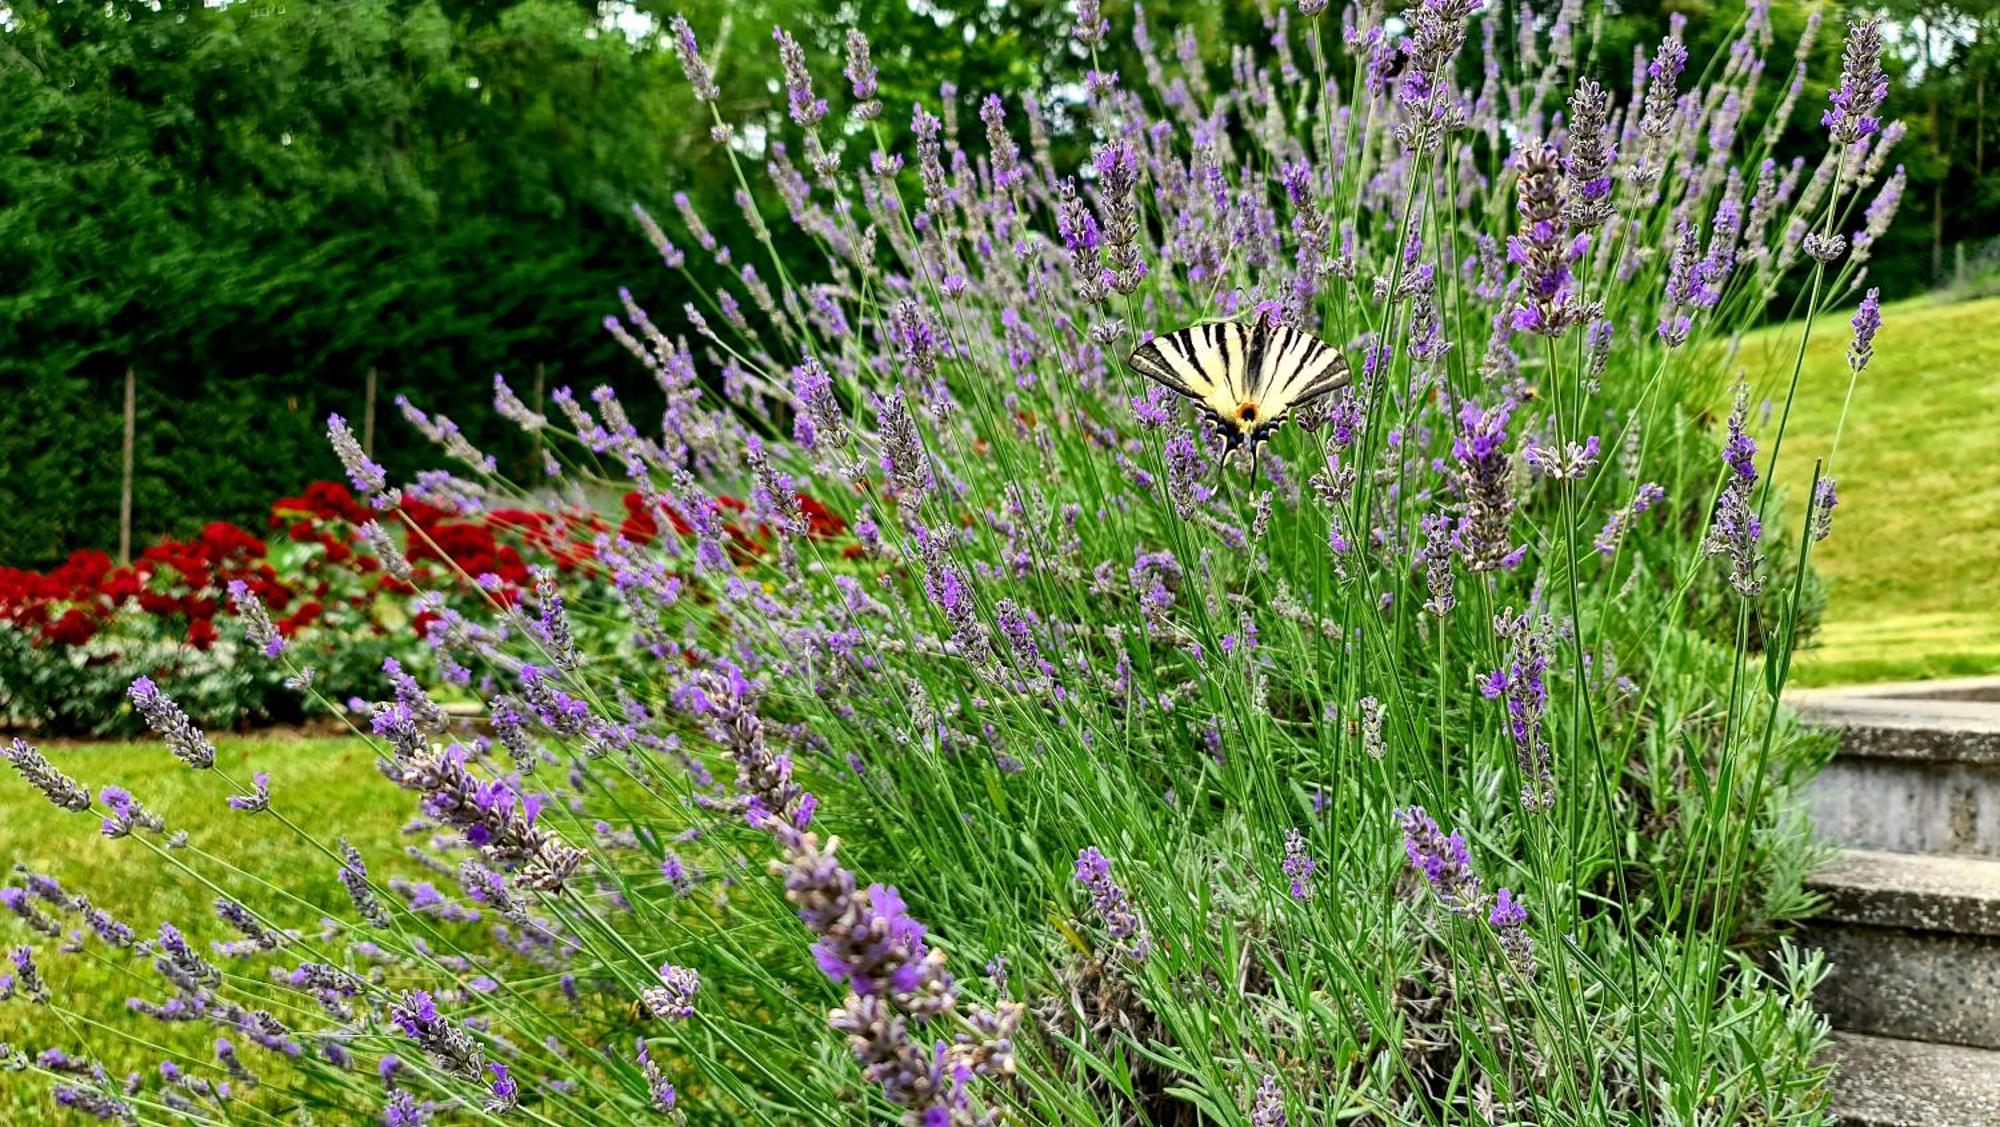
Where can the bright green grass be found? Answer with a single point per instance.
(1913, 586)
(329, 786)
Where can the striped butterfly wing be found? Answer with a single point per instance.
(1247, 376)
(1292, 369)
(1208, 364)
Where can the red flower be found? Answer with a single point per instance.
(74, 628)
(201, 634)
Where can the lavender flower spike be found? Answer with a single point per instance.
(692, 64)
(167, 721)
(257, 624)
(449, 1046)
(1510, 925)
(673, 999)
(1114, 909)
(1867, 322)
(1443, 861)
(1862, 87)
(369, 478)
(66, 793)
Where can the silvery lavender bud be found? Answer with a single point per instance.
(1661, 92)
(369, 478)
(258, 800)
(27, 977)
(906, 466)
(1006, 154)
(806, 109)
(1867, 322)
(168, 722)
(1113, 908)
(243, 920)
(1591, 155)
(1675, 323)
(820, 425)
(181, 965)
(692, 64)
(1541, 250)
(1863, 86)
(354, 877)
(1268, 1109)
(16, 901)
(1083, 238)
(1443, 861)
(1439, 578)
(447, 1043)
(1371, 727)
(66, 793)
(1823, 247)
(1091, 26)
(1825, 497)
(673, 999)
(508, 404)
(1118, 181)
(394, 563)
(1735, 530)
(860, 74)
(257, 625)
(1510, 926)
(554, 629)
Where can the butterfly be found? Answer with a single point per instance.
(1247, 377)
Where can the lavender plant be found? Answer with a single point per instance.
(1170, 754)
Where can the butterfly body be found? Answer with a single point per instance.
(1247, 377)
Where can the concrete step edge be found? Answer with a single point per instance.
(1887, 1082)
(1915, 891)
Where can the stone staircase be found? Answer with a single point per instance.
(1912, 925)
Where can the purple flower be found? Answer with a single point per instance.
(258, 800)
(1482, 479)
(1867, 322)
(1648, 495)
(673, 999)
(692, 64)
(167, 721)
(1510, 925)
(447, 1043)
(1542, 250)
(1520, 683)
(369, 478)
(1442, 861)
(506, 1090)
(1589, 160)
(1114, 910)
(257, 625)
(658, 1087)
(806, 109)
(899, 985)
(1091, 26)
(860, 72)
(61, 790)
(1298, 865)
(1735, 531)
(1268, 1109)
(1825, 498)
(1863, 86)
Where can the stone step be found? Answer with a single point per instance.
(1914, 946)
(1886, 1082)
(1914, 773)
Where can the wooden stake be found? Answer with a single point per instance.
(368, 416)
(540, 373)
(125, 491)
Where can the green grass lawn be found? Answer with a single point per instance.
(329, 786)
(1913, 566)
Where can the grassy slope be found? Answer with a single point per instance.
(329, 786)
(1913, 566)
